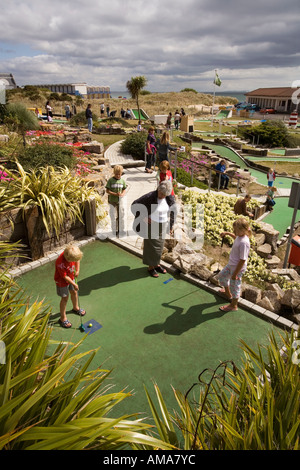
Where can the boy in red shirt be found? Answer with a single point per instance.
(67, 268)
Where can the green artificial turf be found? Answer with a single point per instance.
(151, 330)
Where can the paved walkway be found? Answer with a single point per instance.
(138, 183)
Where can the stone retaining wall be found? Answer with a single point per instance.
(35, 241)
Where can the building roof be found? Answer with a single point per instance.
(284, 92)
(8, 80)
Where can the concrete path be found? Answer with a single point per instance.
(138, 183)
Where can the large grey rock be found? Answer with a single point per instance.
(291, 298)
(192, 262)
(202, 272)
(264, 250)
(93, 147)
(276, 288)
(270, 233)
(272, 262)
(273, 298)
(169, 257)
(266, 303)
(252, 293)
(259, 239)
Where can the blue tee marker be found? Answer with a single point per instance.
(168, 280)
(91, 329)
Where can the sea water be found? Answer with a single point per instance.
(239, 95)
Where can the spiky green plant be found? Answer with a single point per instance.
(255, 407)
(58, 194)
(20, 119)
(50, 399)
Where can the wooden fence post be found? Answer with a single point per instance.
(90, 216)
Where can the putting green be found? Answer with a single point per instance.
(151, 330)
(281, 216)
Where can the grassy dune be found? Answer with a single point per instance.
(153, 103)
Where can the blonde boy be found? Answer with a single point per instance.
(116, 188)
(67, 268)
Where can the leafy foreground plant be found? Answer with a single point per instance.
(255, 407)
(52, 401)
(57, 194)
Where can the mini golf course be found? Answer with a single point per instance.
(142, 116)
(281, 216)
(163, 330)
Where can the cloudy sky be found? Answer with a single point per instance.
(174, 43)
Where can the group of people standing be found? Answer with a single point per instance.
(70, 110)
(177, 118)
(161, 146)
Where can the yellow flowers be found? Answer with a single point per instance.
(218, 213)
(219, 217)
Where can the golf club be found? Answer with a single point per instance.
(219, 268)
(81, 328)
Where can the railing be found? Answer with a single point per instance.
(210, 171)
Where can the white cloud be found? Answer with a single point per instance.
(175, 45)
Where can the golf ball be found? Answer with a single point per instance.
(90, 325)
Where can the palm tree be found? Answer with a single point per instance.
(134, 86)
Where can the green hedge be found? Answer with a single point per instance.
(134, 145)
(42, 155)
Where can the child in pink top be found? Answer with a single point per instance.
(231, 276)
(165, 173)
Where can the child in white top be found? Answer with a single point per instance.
(271, 177)
(231, 276)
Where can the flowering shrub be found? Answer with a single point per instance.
(218, 214)
(257, 271)
(43, 154)
(83, 169)
(188, 164)
(219, 217)
(55, 153)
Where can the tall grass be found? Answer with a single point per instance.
(254, 407)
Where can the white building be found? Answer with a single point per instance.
(7, 80)
(283, 99)
(79, 89)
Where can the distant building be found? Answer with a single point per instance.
(79, 89)
(281, 99)
(8, 81)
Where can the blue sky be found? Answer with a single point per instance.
(9, 50)
(174, 44)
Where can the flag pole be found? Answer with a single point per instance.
(212, 110)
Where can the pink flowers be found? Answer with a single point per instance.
(41, 133)
(4, 176)
(188, 164)
(83, 169)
